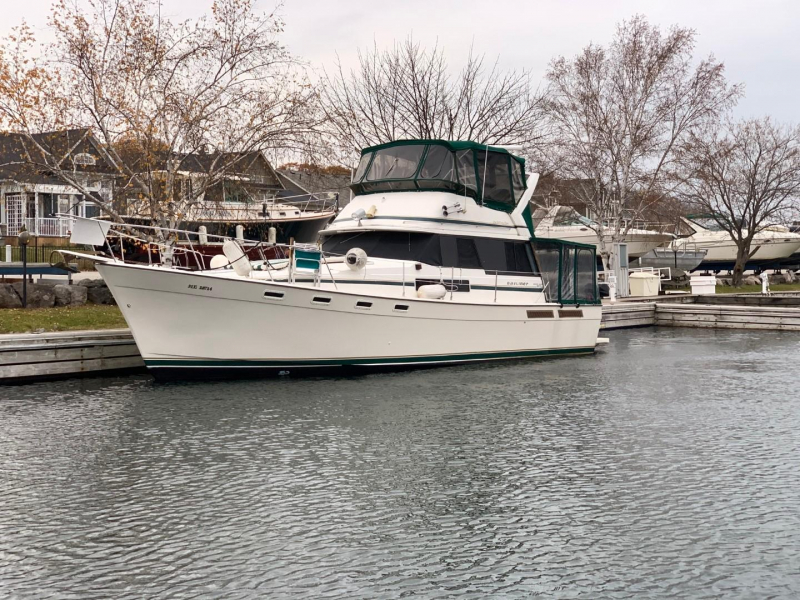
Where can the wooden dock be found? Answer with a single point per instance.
(37, 356)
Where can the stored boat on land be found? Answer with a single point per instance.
(433, 264)
(679, 258)
(771, 245)
(564, 223)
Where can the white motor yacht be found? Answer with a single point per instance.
(771, 245)
(564, 223)
(431, 264)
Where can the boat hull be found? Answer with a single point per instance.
(194, 325)
(639, 244)
(678, 261)
(721, 256)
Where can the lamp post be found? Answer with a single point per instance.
(24, 237)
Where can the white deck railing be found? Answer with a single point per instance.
(46, 227)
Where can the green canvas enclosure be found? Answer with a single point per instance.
(568, 270)
(495, 179)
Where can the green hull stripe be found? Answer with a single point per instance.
(364, 361)
(410, 284)
(430, 220)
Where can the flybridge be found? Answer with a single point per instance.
(495, 179)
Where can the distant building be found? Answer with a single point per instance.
(319, 182)
(32, 196)
(248, 188)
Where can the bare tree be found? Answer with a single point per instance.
(156, 94)
(619, 114)
(408, 92)
(746, 176)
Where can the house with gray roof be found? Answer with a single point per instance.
(31, 195)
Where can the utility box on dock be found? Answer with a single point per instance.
(644, 284)
(703, 284)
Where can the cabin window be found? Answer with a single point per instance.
(517, 258)
(437, 250)
(398, 162)
(568, 271)
(438, 164)
(497, 187)
(362, 166)
(585, 277)
(467, 254)
(492, 254)
(517, 180)
(466, 170)
(417, 247)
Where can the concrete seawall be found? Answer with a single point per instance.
(36, 356)
(722, 316)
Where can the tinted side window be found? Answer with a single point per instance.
(467, 254)
(517, 258)
(421, 247)
(492, 254)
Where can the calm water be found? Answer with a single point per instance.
(667, 466)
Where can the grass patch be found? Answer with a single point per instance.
(63, 318)
(746, 289)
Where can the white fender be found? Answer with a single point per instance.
(238, 259)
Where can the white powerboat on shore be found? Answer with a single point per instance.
(564, 223)
(771, 245)
(679, 259)
(429, 265)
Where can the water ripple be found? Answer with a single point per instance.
(666, 466)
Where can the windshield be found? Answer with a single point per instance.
(395, 163)
(567, 216)
(707, 223)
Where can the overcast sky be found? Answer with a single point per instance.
(759, 40)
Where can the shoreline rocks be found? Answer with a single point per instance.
(39, 295)
(97, 291)
(71, 295)
(48, 295)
